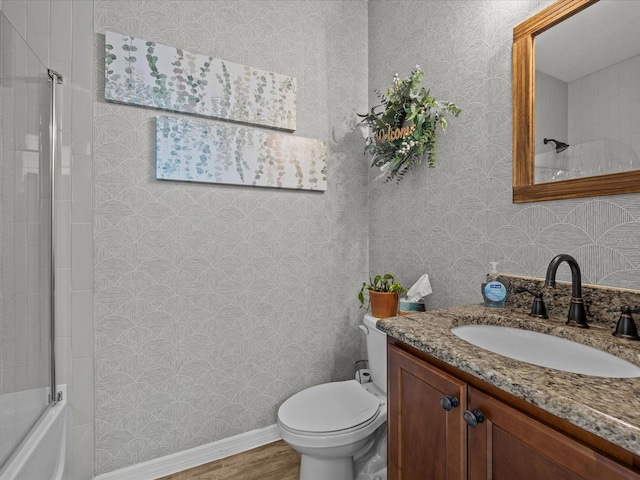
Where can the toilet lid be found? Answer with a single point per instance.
(329, 407)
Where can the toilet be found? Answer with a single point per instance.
(340, 428)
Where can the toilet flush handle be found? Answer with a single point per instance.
(364, 329)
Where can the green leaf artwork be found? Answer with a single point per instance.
(150, 74)
(210, 152)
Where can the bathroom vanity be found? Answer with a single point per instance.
(457, 411)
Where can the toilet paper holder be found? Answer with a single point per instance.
(362, 373)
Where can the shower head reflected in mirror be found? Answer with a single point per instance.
(560, 146)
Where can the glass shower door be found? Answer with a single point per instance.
(25, 239)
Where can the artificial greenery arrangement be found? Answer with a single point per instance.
(381, 283)
(404, 130)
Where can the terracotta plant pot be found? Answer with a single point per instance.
(383, 304)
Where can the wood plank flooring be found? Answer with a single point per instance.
(274, 461)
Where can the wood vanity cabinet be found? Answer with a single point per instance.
(426, 441)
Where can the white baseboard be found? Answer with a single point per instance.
(160, 467)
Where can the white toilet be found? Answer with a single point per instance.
(340, 428)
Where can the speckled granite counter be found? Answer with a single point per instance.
(606, 407)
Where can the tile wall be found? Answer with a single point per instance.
(606, 104)
(60, 32)
(25, 229)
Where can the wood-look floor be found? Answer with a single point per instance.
(275, 461)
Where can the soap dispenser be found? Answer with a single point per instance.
(493, 291)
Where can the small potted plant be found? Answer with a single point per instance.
(384, 293)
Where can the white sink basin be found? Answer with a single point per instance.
(546, 351)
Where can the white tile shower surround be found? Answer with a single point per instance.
(61, 34)
(24, 363)
(581, 123)
(15, 409)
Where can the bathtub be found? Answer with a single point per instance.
(42, 455)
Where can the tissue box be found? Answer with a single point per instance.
(406, 307)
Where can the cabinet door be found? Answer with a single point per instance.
(426, 442)
(509, 444)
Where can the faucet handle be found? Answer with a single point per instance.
(538, 308)
(626, 327)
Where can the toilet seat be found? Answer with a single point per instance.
(330, 408)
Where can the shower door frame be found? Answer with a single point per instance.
(56, 79)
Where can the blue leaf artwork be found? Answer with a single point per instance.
(205, 151)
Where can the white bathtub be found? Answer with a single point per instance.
(42, 456)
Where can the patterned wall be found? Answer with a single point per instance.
(214, 303)
(451, 221)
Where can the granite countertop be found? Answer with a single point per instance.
(606, 407)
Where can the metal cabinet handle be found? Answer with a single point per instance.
(473, 417)
(448, 402)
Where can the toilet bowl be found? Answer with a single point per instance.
(339, 428)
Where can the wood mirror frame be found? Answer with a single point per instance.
(524, 187)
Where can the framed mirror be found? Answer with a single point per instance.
(576, 101)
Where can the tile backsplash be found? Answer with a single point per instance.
(601, 303)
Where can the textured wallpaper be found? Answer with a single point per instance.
(451, 221)
(213, 304)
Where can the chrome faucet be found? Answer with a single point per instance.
(577, 315)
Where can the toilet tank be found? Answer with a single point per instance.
(376, 352)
